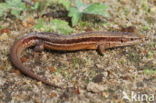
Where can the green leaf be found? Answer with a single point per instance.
(40, 24)
(55, 25)
(3, 8)
(65, 3)
(15, 12)
(35, 6)
(61, 26)
(16, 6)
(96, 8)
(43, 25)
(75, 14)
(80, 5)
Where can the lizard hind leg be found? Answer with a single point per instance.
(39, 47)
(102, 48)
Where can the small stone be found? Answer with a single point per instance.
(98, 78)
(153, 9)
(94, 87)
(140, 84)
(99, 66)
(105, 74)
(105, 94)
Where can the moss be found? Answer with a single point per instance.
(149, 71)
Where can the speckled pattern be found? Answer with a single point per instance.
(90, 78)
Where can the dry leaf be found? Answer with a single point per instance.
(23, 59)
(5, 30)
(15, 71)
(53, 94)
(29, 22)
(52, 69)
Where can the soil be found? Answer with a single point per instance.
(121, 75)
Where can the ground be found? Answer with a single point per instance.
(90, 77)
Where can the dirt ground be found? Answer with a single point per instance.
(121, 75)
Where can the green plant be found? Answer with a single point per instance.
(150, 72)
(55, 25)
(15, 7)
(65, 3)
(81, 8)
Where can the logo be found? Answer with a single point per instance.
(138, 97)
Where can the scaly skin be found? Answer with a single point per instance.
(89, 40)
